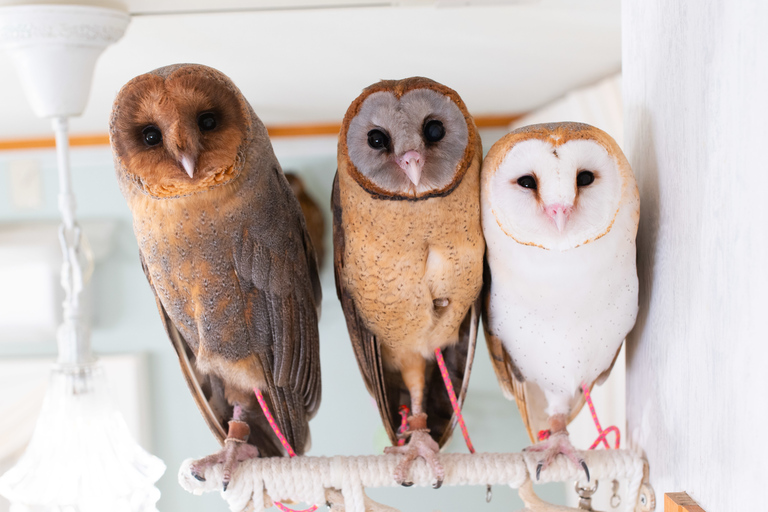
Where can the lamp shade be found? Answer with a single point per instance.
(55, 48)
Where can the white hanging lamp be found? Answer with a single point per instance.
(81, 457)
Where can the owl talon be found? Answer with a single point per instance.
(438, 484)
(407, 484)
(586, 469)
(198, 477)
(226, 484)
(557, 444)
(420, 445)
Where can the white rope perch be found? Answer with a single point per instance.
(307, 479)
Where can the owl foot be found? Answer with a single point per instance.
(421, 445)
(557, 443)
(235, 451)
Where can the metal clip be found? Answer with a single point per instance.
(615, 498)
(585, 495)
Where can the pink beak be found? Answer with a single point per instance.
(559, 213)
(412, 163)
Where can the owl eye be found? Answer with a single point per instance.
(434, 131)
(585, 178)
(527, 181)
(377, 139)
(152, 136)
(206, 121)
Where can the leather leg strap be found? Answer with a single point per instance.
(417, 423)
(239, 431)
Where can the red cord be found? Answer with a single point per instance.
(452, 396)
(603, 433)
(283, 441)
(404, 413)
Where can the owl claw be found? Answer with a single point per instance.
(420, 445)
(230, 457)
(438, 484)
(555, 445)
(586, 469)
(407, 484)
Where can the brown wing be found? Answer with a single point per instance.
(313, 215)
(387, 386)
(279, 281)
(280, 292)
(208, 391)
(530, 399)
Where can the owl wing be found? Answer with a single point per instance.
(207, 390)
(387, 387)
(364, 344)
(529, 397)
(280, 285)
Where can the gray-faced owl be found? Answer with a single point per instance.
(408, 252)
(225, 249)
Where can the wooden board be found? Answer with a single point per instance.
(680, 502)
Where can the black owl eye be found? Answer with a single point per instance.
(377, 139)
(152, 136)
(585, 178)
(434, 131)
(527, 181)
(206, 121)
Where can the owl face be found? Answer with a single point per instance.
(178, 130)
(408, 138)
(556, 187)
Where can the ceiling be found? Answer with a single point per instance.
(304, 61)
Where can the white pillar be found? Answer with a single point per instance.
(696, 134)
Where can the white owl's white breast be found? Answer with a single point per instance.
(563, 315)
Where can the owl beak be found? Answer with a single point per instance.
(559, 213)
(412, 163)
(188, 164)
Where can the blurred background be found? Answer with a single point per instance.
(300, 64)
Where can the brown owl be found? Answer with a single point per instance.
(313, 215)
(225, 249)
(408, 252)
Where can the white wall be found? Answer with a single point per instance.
(695, 84)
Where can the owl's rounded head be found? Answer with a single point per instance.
(555, 186)
(408, 139)
(179, 129)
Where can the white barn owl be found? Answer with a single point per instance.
(560, 210)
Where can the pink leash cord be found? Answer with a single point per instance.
(283, 441)
(404, 413)
(603, 433)
(452, 396)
